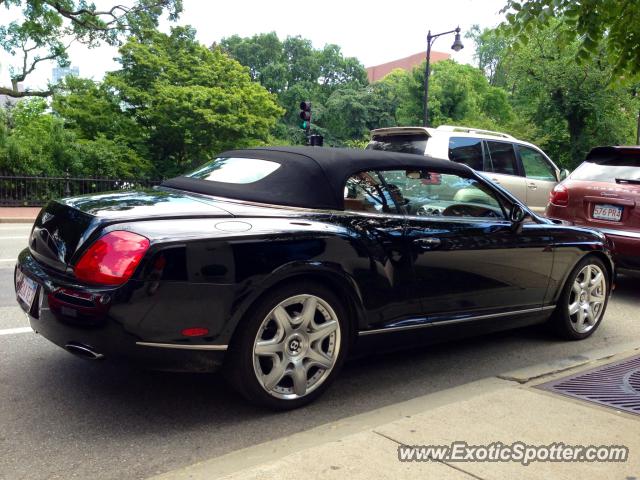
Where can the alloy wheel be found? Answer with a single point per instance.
(296, 347)
(587, 298)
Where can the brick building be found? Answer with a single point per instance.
(377, 72)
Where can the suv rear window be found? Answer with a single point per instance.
(623, 168)
(416, 144)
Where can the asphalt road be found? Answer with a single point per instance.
(61, 417)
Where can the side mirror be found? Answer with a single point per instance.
(517, 216)
(564, 173)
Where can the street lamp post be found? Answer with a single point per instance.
(456, 47)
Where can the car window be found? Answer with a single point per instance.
(466, 150)
(502, 157)
(437, 194)
(619, 167)
(235, 170)
(535, 165)
(415, 143)
(368, 192)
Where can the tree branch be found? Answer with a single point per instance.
(10, 92)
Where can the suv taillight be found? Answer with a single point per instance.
(112, 259)
(559, 196)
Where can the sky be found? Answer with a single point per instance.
(373, 31)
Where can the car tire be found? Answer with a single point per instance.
(297, 333)
(583, 300)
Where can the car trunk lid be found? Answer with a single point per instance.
(64, 226)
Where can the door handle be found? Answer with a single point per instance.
(532, 186)
(428, 243)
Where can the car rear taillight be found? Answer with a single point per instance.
(112, 259)
(559, 196)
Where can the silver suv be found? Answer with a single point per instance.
(520, 167)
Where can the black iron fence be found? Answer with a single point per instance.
(27, 191)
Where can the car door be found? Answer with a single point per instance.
(383, 267)
(467, 258)
(503, 168)
(541, 177)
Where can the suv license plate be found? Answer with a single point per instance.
(607, 212)
(26, 288)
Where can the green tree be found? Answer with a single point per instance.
(294, 70)
(599, 25)
(572, 103)
(191, 101)
(46, 25)
(34, 142)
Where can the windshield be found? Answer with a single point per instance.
(234, 170)
(415, 144)
(622, 168)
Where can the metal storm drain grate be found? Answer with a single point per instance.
(616, 385)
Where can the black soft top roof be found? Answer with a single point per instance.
(309, 177)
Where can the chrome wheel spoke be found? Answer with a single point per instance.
(318, 359)
(574, 307)
(299, 377)
(308, 312)
(596, 282)
(269, 347)
(576, 288)
(275, 375)
(322, 330)
(283, 319)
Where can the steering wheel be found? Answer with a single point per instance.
(462, 210)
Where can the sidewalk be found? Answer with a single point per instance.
(18, 214)
(504, 409)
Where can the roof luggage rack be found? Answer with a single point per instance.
(452, 128)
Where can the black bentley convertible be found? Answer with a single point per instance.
(275, 263)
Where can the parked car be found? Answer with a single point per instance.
(604, 193)
(520, 167)
(275, 263)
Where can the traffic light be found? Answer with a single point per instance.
(305, 115)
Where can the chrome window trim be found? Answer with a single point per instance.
(219, 348)
(457, 320)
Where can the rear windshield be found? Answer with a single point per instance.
(620, 169)
(416, 144)
(235, 170)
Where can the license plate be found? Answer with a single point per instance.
(607, 212)
(26, 288)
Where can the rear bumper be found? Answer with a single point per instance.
(104, 321)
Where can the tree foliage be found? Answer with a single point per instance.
(191, 101)
(48, 26)
(571, 103)
(294, 70)
(609, 25)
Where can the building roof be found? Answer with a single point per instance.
(308, 177)
(377, 72)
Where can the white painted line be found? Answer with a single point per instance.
(12, 331)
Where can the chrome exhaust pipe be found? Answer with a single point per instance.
(83, 351)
